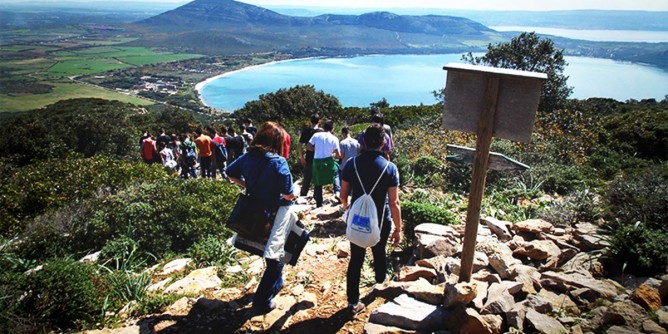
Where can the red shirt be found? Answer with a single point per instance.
(148, 149)
(286, 146)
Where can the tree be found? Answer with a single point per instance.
(288, 105)
(528, 52)
(377, 107)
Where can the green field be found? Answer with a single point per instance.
(105, 58)
(63, 91)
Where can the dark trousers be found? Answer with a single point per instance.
(205, 166)
(270, 284)
(357, 261)
(188, 171)
(306, 181)
(317, 190)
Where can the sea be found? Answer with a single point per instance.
(412, 79)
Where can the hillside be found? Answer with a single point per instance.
(227, 26)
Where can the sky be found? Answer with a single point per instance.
(651, 5)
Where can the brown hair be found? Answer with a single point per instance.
(269, 138)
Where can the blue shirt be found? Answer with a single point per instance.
(369, 166)
(269, 186)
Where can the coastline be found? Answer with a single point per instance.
(201, 84)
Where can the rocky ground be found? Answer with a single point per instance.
(528, 277)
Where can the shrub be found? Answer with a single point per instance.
(125, 286)
(165, 216)
(416, 213)
(123, 254)
(64, 294)
(581, 206)
(638, 249)
(211, 251)
(640, 195)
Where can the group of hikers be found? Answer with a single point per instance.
(354, 166)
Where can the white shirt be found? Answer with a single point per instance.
(324, 143)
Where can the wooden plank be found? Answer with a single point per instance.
(483, 144)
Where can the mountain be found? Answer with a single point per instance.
(227, 26)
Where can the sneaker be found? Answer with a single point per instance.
(337, 196)
(356, 309)
(264, 310)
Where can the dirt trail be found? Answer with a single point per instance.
(313, 299)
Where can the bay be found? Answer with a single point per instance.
(411, 79)
(594, 34)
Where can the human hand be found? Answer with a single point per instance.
(302, 161)
(395, 238)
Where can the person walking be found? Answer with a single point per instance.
(203, 143)
(219, 156)
(306, 156)
(236, 145)
(148, 150)
(263, 167)
(360, 174)
(325, 147)
(350, 148)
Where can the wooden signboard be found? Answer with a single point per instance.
(489, 102)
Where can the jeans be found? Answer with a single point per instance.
(357, 261)
(317, 190)
(188, 170)
(306, 181)
(270, 284)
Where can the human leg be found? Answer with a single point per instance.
(317, 194)
(270, 284)
(379, 254)
(306, 180)
(354, 273)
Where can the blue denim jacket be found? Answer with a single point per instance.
(270, 184)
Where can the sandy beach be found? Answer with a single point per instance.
(200, 85)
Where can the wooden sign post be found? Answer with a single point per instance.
(489, 102)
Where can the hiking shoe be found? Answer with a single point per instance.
(356, 309)
(265, 309)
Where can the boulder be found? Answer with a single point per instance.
(499, 300)
(474, 323)
(663, 291)
(481, 293)
(412, 273)
(534, 226)
(424, 291)
(569, 281)
(91, 258)
(515, 317)
(647, 297)
(631, 315)
(371, 328)
(528, 276)
(459, 294)
(498, 227)
(446, 231)
(544, 324)
(196, 282)
(403, 312)
(174, 267)
(560, 302)
(428, 245)
(538, 250)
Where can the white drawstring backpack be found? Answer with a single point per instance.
(362, 217)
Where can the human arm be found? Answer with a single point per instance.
(241, 183)
(337, 154)
(345, 190)
(395, 209)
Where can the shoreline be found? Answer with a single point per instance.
(201, 84)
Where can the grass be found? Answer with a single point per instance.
(63, 91)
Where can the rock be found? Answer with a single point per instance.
(297, 290)
(173, 267)
(403, 312)
(437, 263)
(234, 269)
(180, 307)
(528, 276)
(538, 250)
(621, 330)
(486, 276)
(429, 245)
(480, 262)
(474, 323)
(576, 329)
(543, 324)
(123, 330)
(630, 315)
(158, 286)
(587, 242)
(515, 317)
(283, 305)
(424, 291)
(91, 258)
(568, 281)
(196, 282)
(498, 227)
(663, 291)
(647, 297)
(412, 273)
(499, 300)
(371, 328)
(459, 294)
(559, 301)
(535, 226)
(585, 262)
(440, 230)
(538, 304)
(481, 293)
(662, 315)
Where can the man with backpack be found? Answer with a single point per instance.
(370, 173)
(219, 147)
(188, 157)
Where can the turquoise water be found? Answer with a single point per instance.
(410, 79)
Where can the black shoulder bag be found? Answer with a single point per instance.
(248, 218)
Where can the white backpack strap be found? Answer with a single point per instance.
(358, 176)
(380, 177)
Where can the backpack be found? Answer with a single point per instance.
(190, 157)
(220, 151)
(362, 217)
